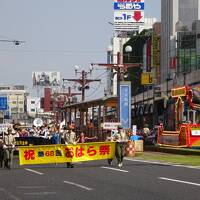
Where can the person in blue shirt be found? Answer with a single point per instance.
(55, 138)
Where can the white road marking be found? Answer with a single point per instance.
(179, 181)
(115, 169)
(161, 163)
(34, 171)
(40, 193)
(11, 196)
(78, 185)
(31, 187)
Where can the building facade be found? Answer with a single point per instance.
(16, 102)
(176, 16)
(33, 106)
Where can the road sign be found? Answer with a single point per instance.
(147, 78)
(3, 103)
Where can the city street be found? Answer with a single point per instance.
(96, 180)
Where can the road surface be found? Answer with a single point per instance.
(97, 181)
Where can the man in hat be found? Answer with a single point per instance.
(69, 139)
(121, 138)
(9, 144)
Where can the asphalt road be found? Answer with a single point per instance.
(97, 181)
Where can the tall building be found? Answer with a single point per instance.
(176, 16)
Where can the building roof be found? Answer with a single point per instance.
(107, 100)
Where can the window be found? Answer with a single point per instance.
(32, 102)
(32, 110)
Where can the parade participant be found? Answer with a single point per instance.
(83, 138)
(9, 144)
(55, 139)
(121, 138)
(69, 138)
(146, 130)
(110, 138)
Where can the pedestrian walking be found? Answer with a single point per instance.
(9, 145)
(70, 139)
(121, 138)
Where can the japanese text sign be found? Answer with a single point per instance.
(66, 153)
(125, 104)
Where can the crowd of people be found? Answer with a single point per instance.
(56, 134)
(51, 134)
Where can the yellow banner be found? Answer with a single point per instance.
(43, 154)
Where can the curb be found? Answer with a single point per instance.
(181, 151)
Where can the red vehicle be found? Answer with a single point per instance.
(183, 125)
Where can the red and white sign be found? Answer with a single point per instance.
(126, 19)
(111, 125)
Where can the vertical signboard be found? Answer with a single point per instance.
(156, 50)
(3, 103)
(125, 104)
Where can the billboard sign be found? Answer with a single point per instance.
(46, 78)
(128, 6)
(3, 103)
(128, 14)
(129, 1)
(125, 104)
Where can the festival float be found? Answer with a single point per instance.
(182, 119)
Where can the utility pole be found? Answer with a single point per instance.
(120, 69)
(83, 81)
(60, 101)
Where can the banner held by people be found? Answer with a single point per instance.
(44, 154)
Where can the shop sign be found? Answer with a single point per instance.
(178, 92)
(195, 132)
(147, 78)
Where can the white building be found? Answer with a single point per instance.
(15, 101)
(148, 23)
(33, 106)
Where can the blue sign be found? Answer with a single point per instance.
(3, 103)
(128, 6)
(125, 104)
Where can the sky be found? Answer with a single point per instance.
(59, 34)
